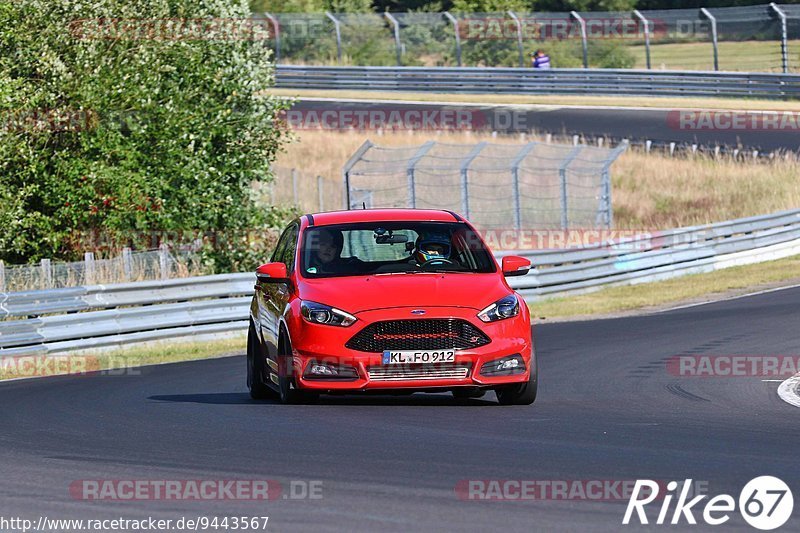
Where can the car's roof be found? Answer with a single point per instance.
(382, 215)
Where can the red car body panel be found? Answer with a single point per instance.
(385, 297)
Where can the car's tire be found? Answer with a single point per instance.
(288, 392)
(259, 390)
(468, 393)
(521, 393)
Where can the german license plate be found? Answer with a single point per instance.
(405, 357)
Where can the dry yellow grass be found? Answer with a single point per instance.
(652, 191)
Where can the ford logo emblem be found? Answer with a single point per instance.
(418, 312)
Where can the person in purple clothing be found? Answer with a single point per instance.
(540, 60)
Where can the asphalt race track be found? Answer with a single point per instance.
(662, 126)
(608, 410)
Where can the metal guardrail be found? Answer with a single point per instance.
(61, 320)
(531, 81)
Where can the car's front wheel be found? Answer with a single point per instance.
(521, 393)
(289, 393)
(259, 390)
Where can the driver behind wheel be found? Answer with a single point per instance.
(432, 248)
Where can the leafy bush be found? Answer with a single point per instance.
(111, 128)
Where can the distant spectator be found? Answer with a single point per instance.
(540, 60)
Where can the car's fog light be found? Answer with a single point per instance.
(323, 370)
(506, 366)
(318, 370)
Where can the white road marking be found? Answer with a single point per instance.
(789, 391)
(728, 299)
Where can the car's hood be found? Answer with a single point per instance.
(366, 293)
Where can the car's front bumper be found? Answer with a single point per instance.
(317, 344)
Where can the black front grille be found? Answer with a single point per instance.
(422, 334)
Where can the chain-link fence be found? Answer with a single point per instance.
(128, 266)
(495, 185)
(308, 192)
(751, 38)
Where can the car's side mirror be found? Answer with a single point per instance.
(515, 266)
(272, 273)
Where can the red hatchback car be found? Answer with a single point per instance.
(390, 301)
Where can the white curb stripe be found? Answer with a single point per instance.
(789, 391)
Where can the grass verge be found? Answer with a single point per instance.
(739, 104)
(696, 288)
(120, 360)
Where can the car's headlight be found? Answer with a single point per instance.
(503, 308)
(324, 314)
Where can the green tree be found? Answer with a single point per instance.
(117, 128)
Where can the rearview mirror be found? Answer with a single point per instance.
(515, 266)
(272, 272)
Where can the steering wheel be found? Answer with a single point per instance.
(436, 260)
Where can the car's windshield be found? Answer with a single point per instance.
(393, 248)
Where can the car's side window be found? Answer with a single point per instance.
(288, 252)
(281, 246)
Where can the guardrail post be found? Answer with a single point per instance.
(89, 272)
(2, 276)
(465, 176)
(163, 260)
(714, 38)
(277, 27)
(520, 50)
(47, 274)
(412, 163)
(294, 187)
(784, 37)
(454, 21)
(348, 166)
(515, 165)
(320, 193)
(397, 44)
(337, 28)
(584, 38)
(127, 264)
(562, 175)
(646, 24)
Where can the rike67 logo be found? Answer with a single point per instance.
(766, 503)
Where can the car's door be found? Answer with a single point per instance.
(270, 295)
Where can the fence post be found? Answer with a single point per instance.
(562, 175)
(89, 272)
(47, 274)
(348, 166)
(646, 24)
(277, 28)
(320, 193)
(2, 276)
(397, 44)
(454, 21)
(465, 176)
(714, 39)
(294, 187)
(412, 163)
(337, 28)
(519, 38)
(784, 37)
(163, 260)
(584, 38)
(515, 164)
(127, 264)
